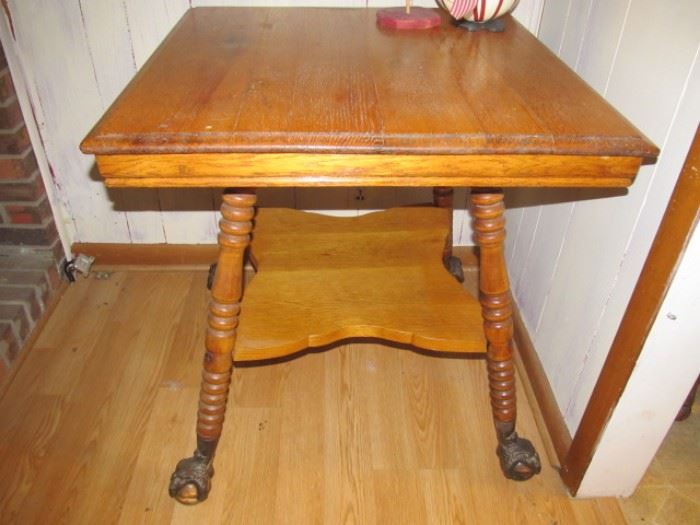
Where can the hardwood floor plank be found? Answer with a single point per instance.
(71, 348)
(300, 479)
(389, 414)
(23, 449)
(399, 497)
(259, 385)
(247, 488)
(347, 453)
(360, 433)
(98, 439)
(147, 495)
(183, 360)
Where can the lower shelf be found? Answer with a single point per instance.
(322, 279)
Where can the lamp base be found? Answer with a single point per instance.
(494, 26)
(398, 18)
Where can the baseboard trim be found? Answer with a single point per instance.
(149, 254)
(185, 254)
(549, 417)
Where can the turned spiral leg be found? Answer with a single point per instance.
(518, 457)
(190, 483)
(443, 197)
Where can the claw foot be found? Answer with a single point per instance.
(191, 481)
(454, 266)
(519, 459)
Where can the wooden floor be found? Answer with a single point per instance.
(104, 406)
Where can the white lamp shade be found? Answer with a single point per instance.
(477, 10)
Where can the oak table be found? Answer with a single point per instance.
(249, 97)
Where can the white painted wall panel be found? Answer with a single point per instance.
(64, 223)
(572, 39)
(602, 41)
(173, 215)
(547, 242)
(51, 46)
(522, 246)
(109, 40)
(573, 284)
(674, 145)
(514, 219)
(552, 29)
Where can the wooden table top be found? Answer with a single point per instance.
(307, 81)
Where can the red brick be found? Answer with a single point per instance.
(4, 370)
(27, 190)
(29, 235)
(18, 167)
(29, 212)
(37, 279)
(12, 258)
(20, 217)
(17, 315)
(7, 89)
(57, 250)
(10, 114)
(53, 277)
(8, 337)
(45, 279)
(14, 141)
(27, 277)
(25, 296)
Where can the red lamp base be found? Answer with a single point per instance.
(418, 18)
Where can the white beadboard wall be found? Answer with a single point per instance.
(575, 256)
(75, 56)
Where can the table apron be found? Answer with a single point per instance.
(298, 170)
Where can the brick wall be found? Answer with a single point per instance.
(30, 250)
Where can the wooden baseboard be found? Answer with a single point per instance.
(185, 254)
(549, 419)
(149, 254)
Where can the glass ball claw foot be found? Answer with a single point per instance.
(191, 481)
(519, 459)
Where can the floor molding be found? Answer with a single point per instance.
(531, 368)
(149, 254)
(184, 254)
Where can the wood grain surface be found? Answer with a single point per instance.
(329, 80)
(361, 433)
(304, 169)
(322, 279)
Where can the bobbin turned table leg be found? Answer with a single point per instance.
(443, 197)
(191, 481)
(519, 460)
